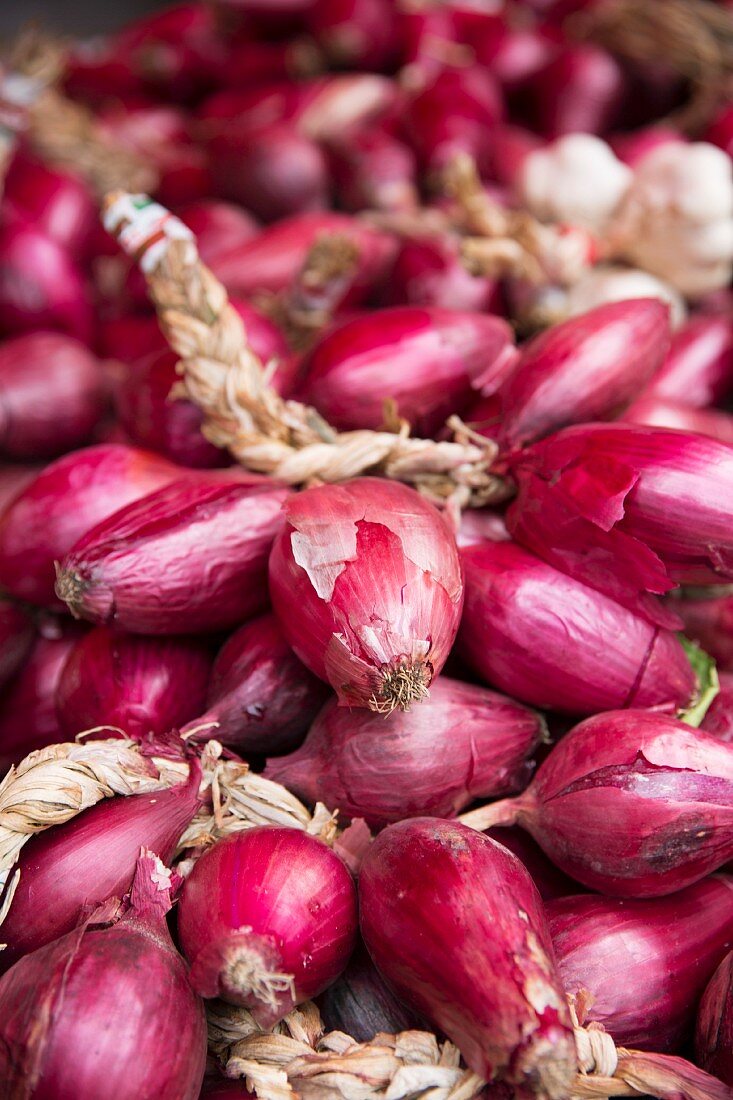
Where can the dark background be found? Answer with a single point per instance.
(77, 17)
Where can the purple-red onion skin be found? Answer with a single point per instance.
(52, 394)
(88, 859)
(580, 91)
(68, 497)
(634, 804)
(453, 112)
(361, 1005)
(714, 1032)
(56, 202)
(261, 697)
(428, 361)
(386, 593)
(644, 963)
(191, 558)
(462, 743)
(719, 718)
(428, 272)
(103, 1014)
(456, 928)
(550, 881)
(552, 642)
(658, 412)
(359, 34)
(275, 898)
(373, 170)
(587, 368)
(698, 369)
(137, 684)
(17, 633)
(709, 621)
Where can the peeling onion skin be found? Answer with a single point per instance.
(455, 925)
(714, 1034)
(366, 581)
(644, 963)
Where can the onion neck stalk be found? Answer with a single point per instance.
(505, 812)
(402, 685)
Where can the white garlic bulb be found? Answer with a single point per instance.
(610, 283)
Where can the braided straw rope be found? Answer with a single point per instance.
(285, 439)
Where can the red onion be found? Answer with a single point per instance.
(362, 1006)
(266, 341)
(710, 622)
(273, 259)
(714, 1034)
(719, 719)
(28, 718)
(462, 743)
(261, 697)
(68, 498)
(630, 803)
(428, 272)
(626, 508)
(587, 368)
(267, 919)
(658, 412)
(372, 169)
(55, 202)
(139, 685)
(217, 226)
(430, 39)
(547, 639)
(514, 54)
(189, 558)
(130, 337)
(40, 286)
(550, 881)
(175, 51)
(51, 395)
(580, 91)
(428, 361)
(455, 925)
(366, 581)
(511, 146)
(13, 479)
(699, 367)
(16, 638)
(454, 113)
(106, 1012)
(644, 963)
(360, 34)
(88, 859)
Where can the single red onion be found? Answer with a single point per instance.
(40, 285)
(550, 881)
(13, 479)
(273, 259)
(52, 394)
(454, 113)
(57, 202)
(428, 362)
(428, 272)
(714, 1032)
(176, 52)
(17, 633)
(28, 717)
(371, 169)
(587, 368)
(359, 34)
(108, 1011)
(719, 719)
(366, 581)
(261, 699)
(551, 641)
(267, 919)
(644, 963)
(361, 1005)
(628, 509)
(68, 497)
(514, 54)
(190, 558)
(462, 743)
(139, 685)
(631, 803)
(660, 412)
(698, 370)
(579, 91)
(709, 621)
(456, 928)
(217, 226)
(88, 859)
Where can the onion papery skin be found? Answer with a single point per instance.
(14, 478)
(88, 859)
(136, 684)
(714, 1033)
(633, 804)
(373, 170)
(587, 368)
(628, 509)
(190, 558)
(719, 719)
(366, 581)
(362, 1005)
(69, 497)
(267, 919)
(441, 906)
(461, 743)
(657, 412)
(52, 394)
(454, 112)
(17, 633)
(58, 203)
(550, 881)
(709, 621)
(260, 696)
(28, 718)
(87, 1016)
(40, 286)
(428, 361)
(644, 963)
(698, 370)
(550, 641)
